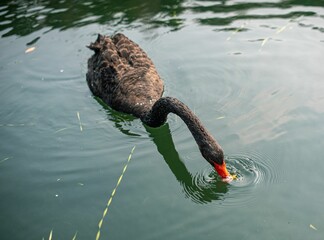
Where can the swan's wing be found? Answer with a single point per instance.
(122, 75)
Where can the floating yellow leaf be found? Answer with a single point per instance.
(29, 50)
(233, 176)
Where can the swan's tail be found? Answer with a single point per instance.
(97, 45)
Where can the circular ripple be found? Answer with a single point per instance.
(252, 169)
(252, 172)
(205, 187)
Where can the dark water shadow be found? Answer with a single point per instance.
(197, 190)
(25, 17)
(118, 118)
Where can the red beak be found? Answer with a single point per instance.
(222, 170)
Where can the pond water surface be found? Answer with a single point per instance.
(251, 70)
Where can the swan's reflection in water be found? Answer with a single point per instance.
(252, 170)
(203, 187)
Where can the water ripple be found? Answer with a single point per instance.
(253, 172)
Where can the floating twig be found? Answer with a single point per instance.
(312, 227)
(112, 194)
(16, 125)
(265, 41)
(74, 237)
(280, 30)
(5, 159)
(60, 130)
(236, 31)
(50, 236)
(29, 50)
(78, 114)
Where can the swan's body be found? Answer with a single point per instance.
(125, 78)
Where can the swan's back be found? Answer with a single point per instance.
(122, 75)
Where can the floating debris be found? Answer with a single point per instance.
(78, 114)
(60, 130)
(312, 227)
(282, 29)
(74, 237)
(236, 31)
(113, 193)
(264, 41)
(221, 117)
(50, 235)
(29, 50)
(5, 159)
(16, 125)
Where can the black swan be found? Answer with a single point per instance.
(124, 77)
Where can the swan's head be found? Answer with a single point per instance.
(215, 156)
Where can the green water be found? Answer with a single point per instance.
(251, 70)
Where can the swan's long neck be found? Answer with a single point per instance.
(208, 146)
